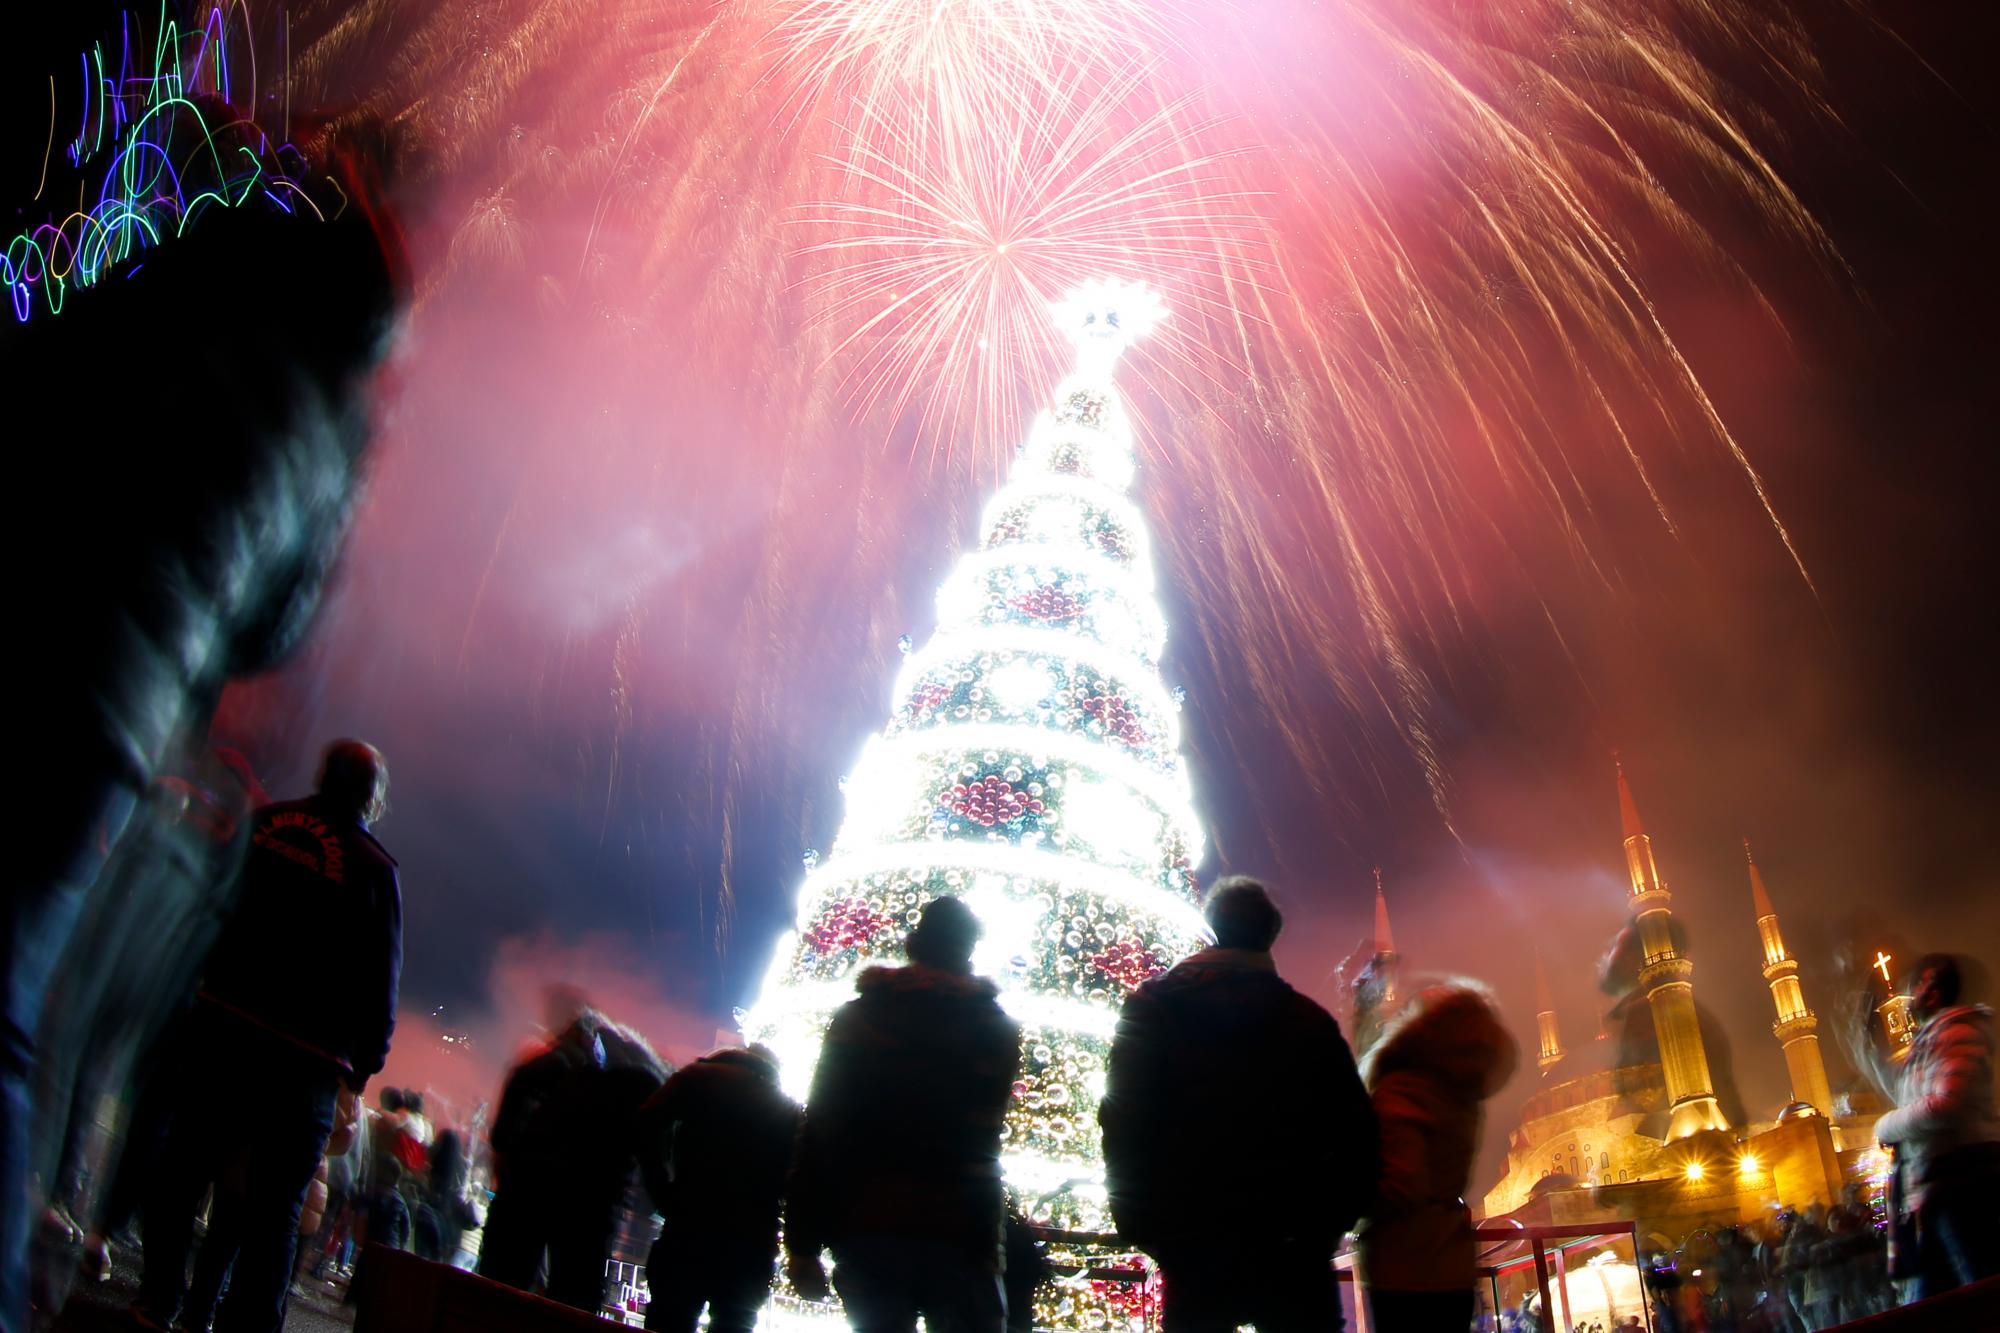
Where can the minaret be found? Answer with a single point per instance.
(1797, 1029)
(1668, 980)
(1385, 944)
(1545, 1020)
(1384, 941)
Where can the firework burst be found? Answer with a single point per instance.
(1415, 356)
(938, 269)
(964, 57)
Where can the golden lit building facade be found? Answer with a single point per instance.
(1632, 1129)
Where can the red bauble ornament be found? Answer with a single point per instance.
(847, 924)
(926, 697)
(1049, 602)
(1117, 717)
(1132, 1300)
(1128, 963)
(990, 801)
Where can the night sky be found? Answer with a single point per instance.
(619, 634)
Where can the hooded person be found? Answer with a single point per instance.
(899, 1163)
(1945, 1130)
(1428, 1077)
(716, 1144)
(1237, 1134)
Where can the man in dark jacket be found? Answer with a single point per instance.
(261, 1035)
(899, 1165)
(716, 1145)
(1239, 1143)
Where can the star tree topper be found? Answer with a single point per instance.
(1105, 316)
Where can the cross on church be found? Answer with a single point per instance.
(1882, 966)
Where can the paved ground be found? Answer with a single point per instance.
(101, 1308)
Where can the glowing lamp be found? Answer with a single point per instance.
(1694, 1171)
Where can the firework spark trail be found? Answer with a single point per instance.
(961, 58)
(946, 263)
(1372, 408)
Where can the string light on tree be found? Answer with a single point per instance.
(1030, 765)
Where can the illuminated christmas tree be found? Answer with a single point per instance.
(1031, 766)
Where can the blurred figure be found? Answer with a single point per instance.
(316, 877)
(716, 1146)
(1807, 1254)
(527, 1161)
(1735, 1280)
(156, 907)
(565, 1145)
(1663, 1289)
(203, 539)
(414, 1134)
(899, 1165)
(444, 1213)
(346, 1155)
(1945, 1130)
(1776, 1274)
(1435, 1065)
(1857, 1255)
(1237, 1134)
(594, 1121)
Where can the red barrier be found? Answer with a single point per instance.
(397, 1292)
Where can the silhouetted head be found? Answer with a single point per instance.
(944, 936)
(1240, 912)
(1935, 984)
(391, 1099)
(764, 1053)
(580, 1034)
(561, 1005)
(354, 778)
(413, 1102)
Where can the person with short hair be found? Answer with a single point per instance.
(899, 1163)
(1237, 1135)
(259, 1034)
(1946, 1132)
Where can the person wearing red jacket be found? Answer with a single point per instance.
(1429, 1076)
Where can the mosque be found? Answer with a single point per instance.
(1634, 1124)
